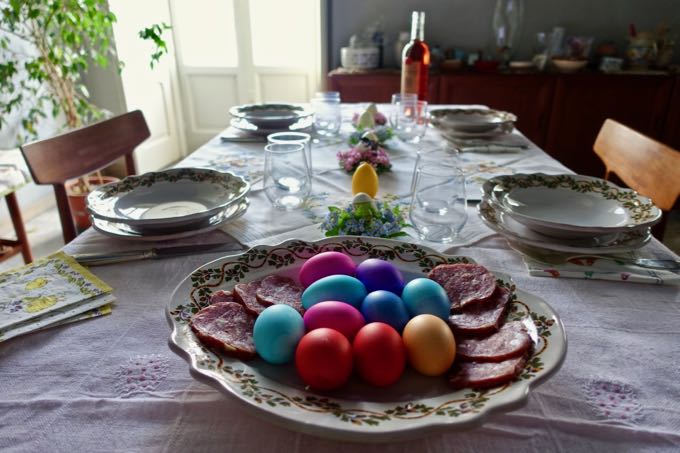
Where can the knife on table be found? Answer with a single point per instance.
(98, 259)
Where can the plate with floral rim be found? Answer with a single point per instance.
(414, 406)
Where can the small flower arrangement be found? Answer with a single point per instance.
(367, 150)
(365, 219)
(370, 120)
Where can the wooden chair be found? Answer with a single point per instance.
(643, 164)
(82, 151)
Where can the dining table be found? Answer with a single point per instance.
(112, 383)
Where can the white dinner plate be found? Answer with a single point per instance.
(507, 226)
(124, 231)
(171, 198)
(570, 206)
(473, 121)
(271, 116)
(414, 406)
(302, 125)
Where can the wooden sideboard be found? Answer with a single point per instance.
(561, 113)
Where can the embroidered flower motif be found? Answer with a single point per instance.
(614, 400)
(141, 374)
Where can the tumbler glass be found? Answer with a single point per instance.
(327, 113)
(294, 138)
(439, 205)
(287, 181)
(410, 120)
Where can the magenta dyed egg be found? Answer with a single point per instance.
(325, 264)
(377, 274)
(335, 315)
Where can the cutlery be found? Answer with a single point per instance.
(97, 259)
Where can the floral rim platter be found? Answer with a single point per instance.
(471, 120)
(414, 406)
(511, 229)
(270, 116)
(570, 205)
(172, 198)
(123, 231)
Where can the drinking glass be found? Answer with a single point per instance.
(287, 181)
(295, 138)
(438, 206)
(410, 120)
(327, 113)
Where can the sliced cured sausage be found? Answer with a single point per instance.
(465, 284)
(512, 340)
(483, 318)
(226, 327)
(222, 296)
(275, 289)
(246, 294)
(480, 375)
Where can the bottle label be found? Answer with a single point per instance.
(410, 78)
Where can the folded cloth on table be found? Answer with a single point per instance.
(50, 291)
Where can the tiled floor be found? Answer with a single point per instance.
(44, 233)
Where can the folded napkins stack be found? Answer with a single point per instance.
(51, 291)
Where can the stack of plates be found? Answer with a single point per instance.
(567, 213)
(169, 204)
(472, 123)
(264, 119)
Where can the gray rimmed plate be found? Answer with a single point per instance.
(472, 121)
(270, 116)
(416, 405)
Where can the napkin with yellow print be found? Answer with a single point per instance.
(51, 291)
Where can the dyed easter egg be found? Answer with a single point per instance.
(430, 345)
(324, 359)
(339, 316)
(379, 354)
(325, 264)
(276, 333)
(387, 307)
(365, 180)
(424, 296)
(377, 274)
(342, 288)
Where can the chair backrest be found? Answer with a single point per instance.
(82, 151)
(643, 164)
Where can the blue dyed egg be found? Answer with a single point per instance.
(387, 307)
(377, 274)
(342, 288)
(423, 296)
(277, 332)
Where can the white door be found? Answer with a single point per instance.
(153, 91)
(233, 52)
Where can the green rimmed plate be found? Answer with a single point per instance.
(414, 406)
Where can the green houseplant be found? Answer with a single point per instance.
(45, 48)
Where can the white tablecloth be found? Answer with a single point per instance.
(112, 384)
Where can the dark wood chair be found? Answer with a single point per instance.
(643, 164)
(82, 151)
(11, 247)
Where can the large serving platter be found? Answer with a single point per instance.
(171, 198)
(271, 116)
(507, 226)
(570, 206)
(414, 406)
(127, 232)
(471, 121)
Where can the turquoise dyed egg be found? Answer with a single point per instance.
(341, 288)
(423, 296)
(277, 332)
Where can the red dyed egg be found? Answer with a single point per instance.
(379, 354)
(324, 359)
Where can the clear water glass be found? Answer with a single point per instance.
(287, 181)
(410, 119)
(438, 209)
(294, 138)
(327, 113)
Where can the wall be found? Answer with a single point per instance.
(466, 24)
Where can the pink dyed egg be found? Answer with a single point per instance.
(325, 264)
(335, 315)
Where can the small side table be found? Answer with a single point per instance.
(12, 179)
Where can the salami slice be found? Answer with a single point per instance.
(222, 296)
(226, 327)
(480, 375)
(509, 342)
(483, 318)
(465, 284)
(246, 294)
(275, 289)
